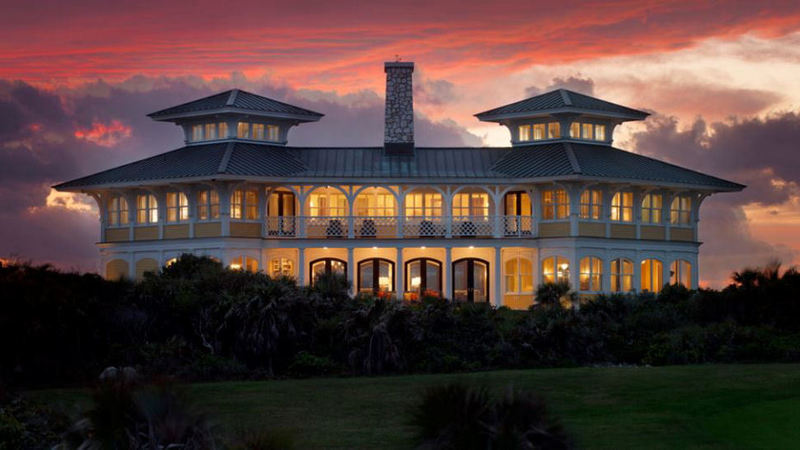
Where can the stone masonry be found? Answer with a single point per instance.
(399, 126)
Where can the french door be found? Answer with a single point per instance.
(281, 213)
(471, 280)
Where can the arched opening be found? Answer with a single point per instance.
(471, 280)
(555, 269)
(117, 269)
(244, 263)
(423, 211)
(146, 265)
(327, 266)
(376, 275)
(170, 262)
(680, 272)
(376, 212)
(621, 275)
(424, 277)
(327, 211)
(652, 275)
(591, 274)
(471, 213)
(281, 213)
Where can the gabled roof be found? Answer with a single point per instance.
(236, 100)
(561, 101)
(550, 161)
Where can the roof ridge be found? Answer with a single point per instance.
(573, 160)
(565, 96)
(223, 163)
(232, 97)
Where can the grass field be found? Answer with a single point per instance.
(708, 407)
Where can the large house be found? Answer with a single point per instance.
(472, 224)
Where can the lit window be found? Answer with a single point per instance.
(586, 131)
(555, 204)
(281, 267)
(243, 130)
(244, 263)
(146, 209)
(680, 212)
(575, 130)
(273, 133)
(375, 203)
(519, 276)
(680, 272)
(258, 131)
(327, 266)
(553, 130)
(622, 207)
(652, 275)
(223, 130)
(539, 131)
(197, 133)
(651, 208)
(177, 207)
(591, 274)
(421, 204)
(591, 204)
(244, 205)
(555, 269)
(621, 275)
(211, 131)
(207, 205)
(600, 132)
(423, 275)
(117, 211)
(474, 204)
(524, 132)
(330, 204)
(375, 275)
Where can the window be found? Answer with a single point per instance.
(555, 269)
(146, 209)
(555, 204)
(375, 275)
(680, 272)
(575, 130)
(591, 274)
(553, 130)
(327, 204)
(281, 267)
(474, 204)
(244, 263)
(243, 130)
(223, 130)
(327, 266)
(519, 276)
(117, 211)
(622, 207)
(207, 205)
(651, 208)
(600, 132)
(244, 204)
(258, 131)
(591, 204)
(517, 203)
(211, 131)
(375, 202)
(681, 210)
(587, 131)
(424, 275)
(652, 275)
(197, 133)
(273, 133)
(170, 262)
(177, 207)
(621, 275)
(423, 204)
(524, 132)
(539, 131)
(471, 280)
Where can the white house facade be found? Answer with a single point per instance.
(471, 224)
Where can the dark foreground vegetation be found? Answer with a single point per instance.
(198, 321)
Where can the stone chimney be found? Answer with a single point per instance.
(399, 120)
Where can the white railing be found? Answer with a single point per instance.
(473, 226)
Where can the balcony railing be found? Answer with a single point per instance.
(392, 227)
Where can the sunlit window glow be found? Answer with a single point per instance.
(146, 209)
(652, 275)
(621, 275)
(519, 276)
(680, 272)
(622, 207)
(117, 211)
(375, 202)
(651, 208)
(423, 204)
(681, 210)
(281, 267)
(555, 269)
(591, 273)
(177, 207)
(555, 204)
(591, 204)
(244, 204)
(207, 205)
(472, 204)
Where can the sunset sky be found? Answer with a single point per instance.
(721, 79)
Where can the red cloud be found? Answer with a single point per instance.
(104, 135)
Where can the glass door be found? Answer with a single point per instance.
(471, 280)
(517, 209)
(280, 210)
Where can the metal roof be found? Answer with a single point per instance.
(234, 100)
(430, 164)
(560, 100)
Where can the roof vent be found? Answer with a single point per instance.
(399, 119)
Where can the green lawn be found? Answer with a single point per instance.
(710, 407)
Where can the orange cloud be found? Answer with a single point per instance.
(104, 135)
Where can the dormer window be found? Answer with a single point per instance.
(209, 131)
(587, 131)
(539, 131)
(257, 131)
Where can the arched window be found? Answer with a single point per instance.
(621, 275)
(471, 204)
(375, 202)
(281, 267)
(177, 207)
(681, 210)
(208, 205)
(651, 208)
(622, 207)
(327, 266)
(519, 276)
(327, 202)
(423, 204)
(555, 269)
(652, 275)
(591, 204)
(680, 272)
(471, 280)
(117, 211)
(244, 263)
(375, 275)
(244, 204)
(591, 275)
(170, 262)
(555, 204)
(424, 275)
(146, 208)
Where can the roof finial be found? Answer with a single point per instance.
(397, 58)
